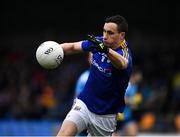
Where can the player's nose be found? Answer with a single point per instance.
(105, 37)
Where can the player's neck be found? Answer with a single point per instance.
(121, 44)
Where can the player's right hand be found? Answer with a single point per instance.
(98, 45)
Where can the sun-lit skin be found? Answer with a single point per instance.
(111, 36)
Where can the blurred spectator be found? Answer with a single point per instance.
(177, 122)
(176, 93)
(47, 99)
(147, 122)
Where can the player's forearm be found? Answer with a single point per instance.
(117, 60)
(72, 47)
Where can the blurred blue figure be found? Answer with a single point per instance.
(127, 125)
(81, 82)
(83, 77)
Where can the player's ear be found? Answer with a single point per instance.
(122, 34)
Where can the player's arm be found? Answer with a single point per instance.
(72, 47)
(117, 60)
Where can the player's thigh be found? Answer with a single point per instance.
(68, 128)
(79, 116)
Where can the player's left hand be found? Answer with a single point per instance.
(98, 45)
(120, 117)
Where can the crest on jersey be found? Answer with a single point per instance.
(77, 108)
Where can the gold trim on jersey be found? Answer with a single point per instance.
(123, 44)
(124, 49)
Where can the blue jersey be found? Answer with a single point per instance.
(106, 85)
(130, 93)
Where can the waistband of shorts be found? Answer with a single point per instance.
(106, 115)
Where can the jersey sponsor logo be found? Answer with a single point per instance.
(107, 71)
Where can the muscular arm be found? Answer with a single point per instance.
(117, 60)
(72, 47)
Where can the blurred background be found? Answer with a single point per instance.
(34, 101)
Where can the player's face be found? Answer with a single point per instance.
(111, 36)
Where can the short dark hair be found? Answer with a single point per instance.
(120, 21)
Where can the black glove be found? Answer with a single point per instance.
(98, 44)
